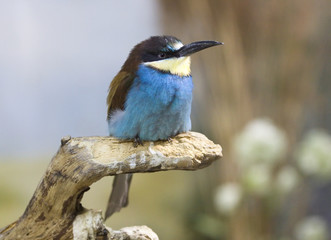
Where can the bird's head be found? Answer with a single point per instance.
(166, 54)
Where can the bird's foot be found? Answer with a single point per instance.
(137, 141)
(170, 140)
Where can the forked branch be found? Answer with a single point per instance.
(54, 210)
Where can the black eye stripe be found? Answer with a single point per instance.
(155, 56)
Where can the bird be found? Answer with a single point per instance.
(150, 99)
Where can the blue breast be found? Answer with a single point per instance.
(158, 106)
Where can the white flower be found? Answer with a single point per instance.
(311, 228)
(287, 179)
(257, 179)
(260, 142)
(227, 198)
(314, 154)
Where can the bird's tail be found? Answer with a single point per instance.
(119, 194)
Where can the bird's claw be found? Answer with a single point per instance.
(137, 141)
(170, 140)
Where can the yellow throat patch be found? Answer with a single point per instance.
(179, 66)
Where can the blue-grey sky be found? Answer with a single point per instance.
(57, 59)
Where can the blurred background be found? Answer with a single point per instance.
(265, 96)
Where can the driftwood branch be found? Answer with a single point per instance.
(55, 211)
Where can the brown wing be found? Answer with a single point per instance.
(118, 90)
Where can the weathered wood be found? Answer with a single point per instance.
(89, 225)
(82, 161)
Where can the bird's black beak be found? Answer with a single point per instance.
(194, 47)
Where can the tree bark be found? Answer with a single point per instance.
(55, 211)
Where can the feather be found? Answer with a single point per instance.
(118, 91)
(119, 195)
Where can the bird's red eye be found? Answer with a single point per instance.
(162, 55)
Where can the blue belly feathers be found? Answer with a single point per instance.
(157, 107)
